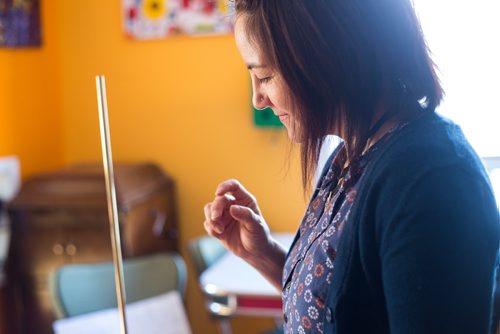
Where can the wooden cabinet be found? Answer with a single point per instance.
(61, 217)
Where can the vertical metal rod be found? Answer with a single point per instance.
(114, 227)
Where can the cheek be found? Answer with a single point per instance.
(277, 92)
(281, 100)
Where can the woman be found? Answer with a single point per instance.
(402, 231)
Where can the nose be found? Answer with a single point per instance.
(259, 99)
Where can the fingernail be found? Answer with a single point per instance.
(218, 228)
(236, 208)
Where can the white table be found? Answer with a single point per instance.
(247, 290)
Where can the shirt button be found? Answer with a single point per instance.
(285, 318)
(329, 314)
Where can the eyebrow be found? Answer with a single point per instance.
(251, 66)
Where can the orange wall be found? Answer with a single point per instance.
(30, 122)
(181, 102)
(6, 99)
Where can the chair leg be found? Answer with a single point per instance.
(224, 326)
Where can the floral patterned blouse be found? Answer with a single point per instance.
(310, 263)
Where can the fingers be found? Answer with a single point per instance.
(211, 227)
(223, 210)
(235, 188)
(208, 222)
(215, 219)
(210, 230)
(231, 185)
(244, 215)
(219, 205)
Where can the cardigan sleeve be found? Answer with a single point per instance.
(437, 252)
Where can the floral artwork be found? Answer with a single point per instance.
(152, 19)
(20, 23)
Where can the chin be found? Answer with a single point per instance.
(294, 136)
(293, 131)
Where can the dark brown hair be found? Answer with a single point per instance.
(341, 59)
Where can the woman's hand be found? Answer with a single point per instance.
(235, 219)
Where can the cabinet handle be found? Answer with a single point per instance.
(160, 228)
(71, 249)
(160, 221)
(57, 249)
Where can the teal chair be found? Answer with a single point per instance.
(82, 288)
(205, 251)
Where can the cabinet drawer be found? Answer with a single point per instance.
(43, 249)
(39, 249)
(87, 245)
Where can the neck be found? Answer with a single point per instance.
(384, 120)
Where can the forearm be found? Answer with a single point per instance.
(270, 263)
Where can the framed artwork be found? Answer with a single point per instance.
(20, 23)
(156, 19)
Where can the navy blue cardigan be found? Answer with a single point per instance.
(418, 251)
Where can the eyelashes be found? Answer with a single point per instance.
(265, 80)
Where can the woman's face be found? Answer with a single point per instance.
(269, 90)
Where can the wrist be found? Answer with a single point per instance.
(269, 261)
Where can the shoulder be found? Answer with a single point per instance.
(430, 171)
(428, 144)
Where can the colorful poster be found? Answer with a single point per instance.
(20, 23)
(153, 19)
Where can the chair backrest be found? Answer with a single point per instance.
(204, 251)
(82, 288)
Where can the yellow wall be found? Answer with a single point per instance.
(181, 102)
(30, 122)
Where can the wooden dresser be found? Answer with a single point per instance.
(61, 217)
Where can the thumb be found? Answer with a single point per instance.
(244, 214)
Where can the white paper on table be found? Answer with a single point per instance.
(162, 314)
(233, 275)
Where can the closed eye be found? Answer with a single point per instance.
(265, 80)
